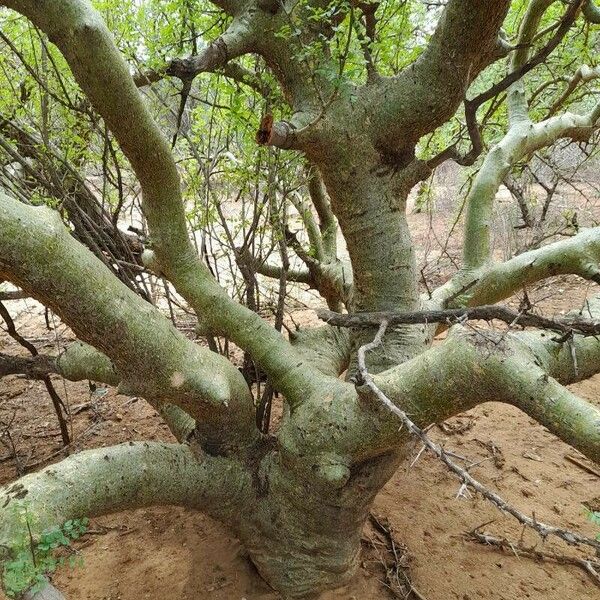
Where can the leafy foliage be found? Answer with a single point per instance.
(34, 559)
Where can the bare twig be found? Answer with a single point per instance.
(56, 399)
(582, 465)
(394, 565)
(589, 565)
(565, 325)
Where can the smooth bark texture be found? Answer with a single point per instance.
(135, 474)
(99, 68)
(522, 139)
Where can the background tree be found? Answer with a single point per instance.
(364, 100)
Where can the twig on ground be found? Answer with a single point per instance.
(394, 563)
(589, 565)
(582, 465)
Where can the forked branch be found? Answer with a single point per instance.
(149, 356)
(89, 48)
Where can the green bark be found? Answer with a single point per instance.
(89, 48)
(522, 139)
(298, 499)
(106, 480)
(151, 357)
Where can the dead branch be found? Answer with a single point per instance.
(395, 564)
(35, 367)
(13, 295)
(589, 565)
(56, 399)
(566, 325)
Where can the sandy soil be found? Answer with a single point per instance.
(174, 554)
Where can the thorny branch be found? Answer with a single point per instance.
(565, 325)
(367, 387)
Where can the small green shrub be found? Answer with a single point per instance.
(594, 517)
(34, 559)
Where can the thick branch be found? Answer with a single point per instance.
(328, 348)
(80, 362)
(274, 272)
(522, 139)
(532, 389)
(327, 220)
(564, 414)
(513, 81)
(470, 368)
(127, 476)
(577, 255)
(92, 223)
(517, 102)
(151, 357)
(466, 370)
(516, 74)
(313, 231)
(333, 280)
(543, 529)
(79, 32)
(429, 92)
(568, 359)
(235, 42)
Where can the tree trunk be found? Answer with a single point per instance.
(369, 199)
(304, 535)
(298, 500)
